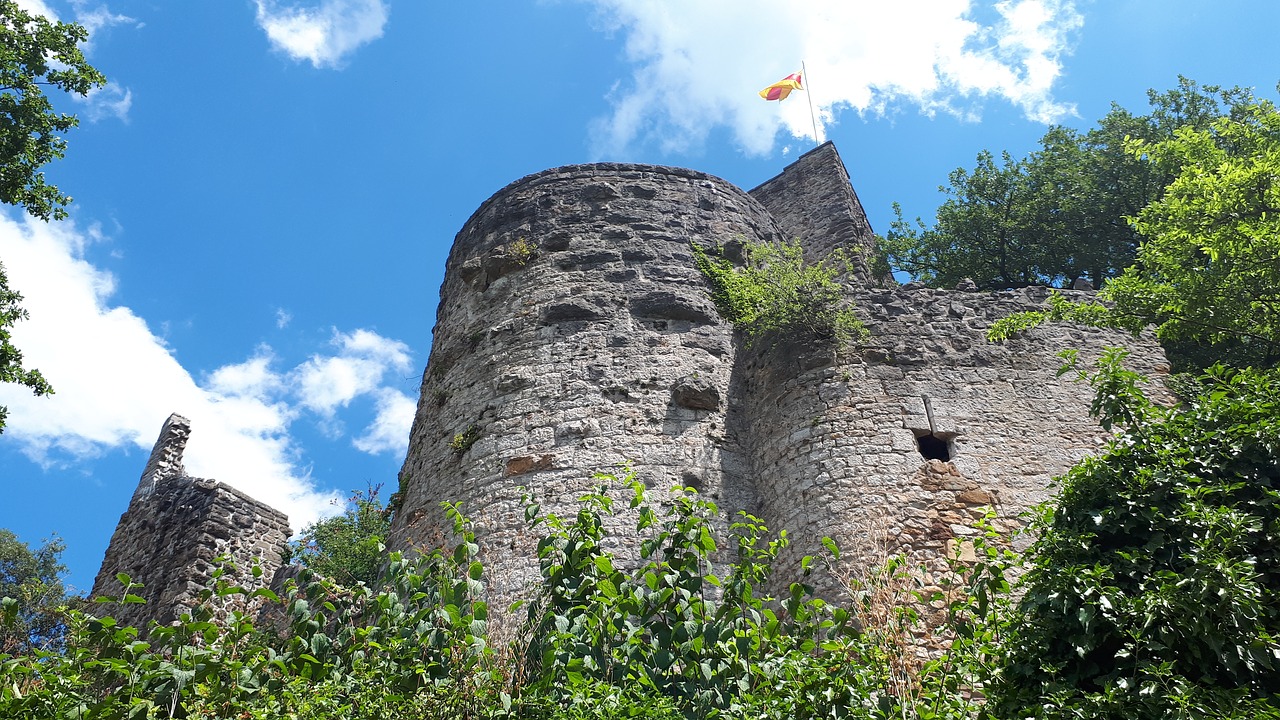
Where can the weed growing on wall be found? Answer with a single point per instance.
(776, 291)
(463, 441)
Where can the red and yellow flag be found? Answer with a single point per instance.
(781, 89)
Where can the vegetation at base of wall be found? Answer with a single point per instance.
(667, 639)
(1148, 594)
(776, 291)
(1152, 587)
(348, 548)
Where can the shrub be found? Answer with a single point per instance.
(1153, 582)
(778, 292)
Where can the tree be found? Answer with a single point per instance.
(1207, 274)
(33, 580)
(1152, 587)
(1061, 212)
(349, 548)
(35, 53)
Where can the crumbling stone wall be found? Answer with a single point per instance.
(813, 200)
(902, 444)
(176, 527)
(575, 333)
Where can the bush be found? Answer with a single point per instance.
(778, 292)
(666, 640)
(1153, 582)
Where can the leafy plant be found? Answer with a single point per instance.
(777, 292)
(463, 441)
(522, 251)
(1152, 582)
(348, 548)
(1207, 274)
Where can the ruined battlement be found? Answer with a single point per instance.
(176, 530)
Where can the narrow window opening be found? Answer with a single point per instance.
(933, 447)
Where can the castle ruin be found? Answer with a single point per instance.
(178, 530)
(575, 334)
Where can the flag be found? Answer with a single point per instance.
(781, 89)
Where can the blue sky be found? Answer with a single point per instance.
(266, 192)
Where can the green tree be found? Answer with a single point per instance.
(32, 579)
(35, 53)
(349, 548)
(1152, 586)
(1207, 274)
(1061, 212)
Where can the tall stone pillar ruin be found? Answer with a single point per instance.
(178, 530)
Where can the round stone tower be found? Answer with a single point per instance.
(575, 334)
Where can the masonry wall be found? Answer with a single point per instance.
(836, 440)
(175, 528)
(813, 200)
(575, 334)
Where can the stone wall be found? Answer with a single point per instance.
(903, 443)
(575, 333)
(813, 200)
(175, 529)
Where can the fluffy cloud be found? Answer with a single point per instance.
(324, 34)
(389, 431)
(327, 383)
(699, 65)
(116, 381)
(110, 100)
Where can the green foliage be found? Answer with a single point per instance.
(778, 292)
(522, 251)
(1060, 213)
(1208, 270)
(416, 648)
(11, 370)
(32, 581)
(38, 53)
(1153, 582)
(666, 640)
(35, 53)
(348, 549)
(709, 646)
(463, 441)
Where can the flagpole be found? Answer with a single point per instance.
(809, 94)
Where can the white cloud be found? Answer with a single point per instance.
(96, 17)
(700, 65)
(324, 34)
(110, 100)
(326, 383)
(389, 431)
(37, 7)
(283, 318)
(116, 382)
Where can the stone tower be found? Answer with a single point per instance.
(575, 333)
(176, 528)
